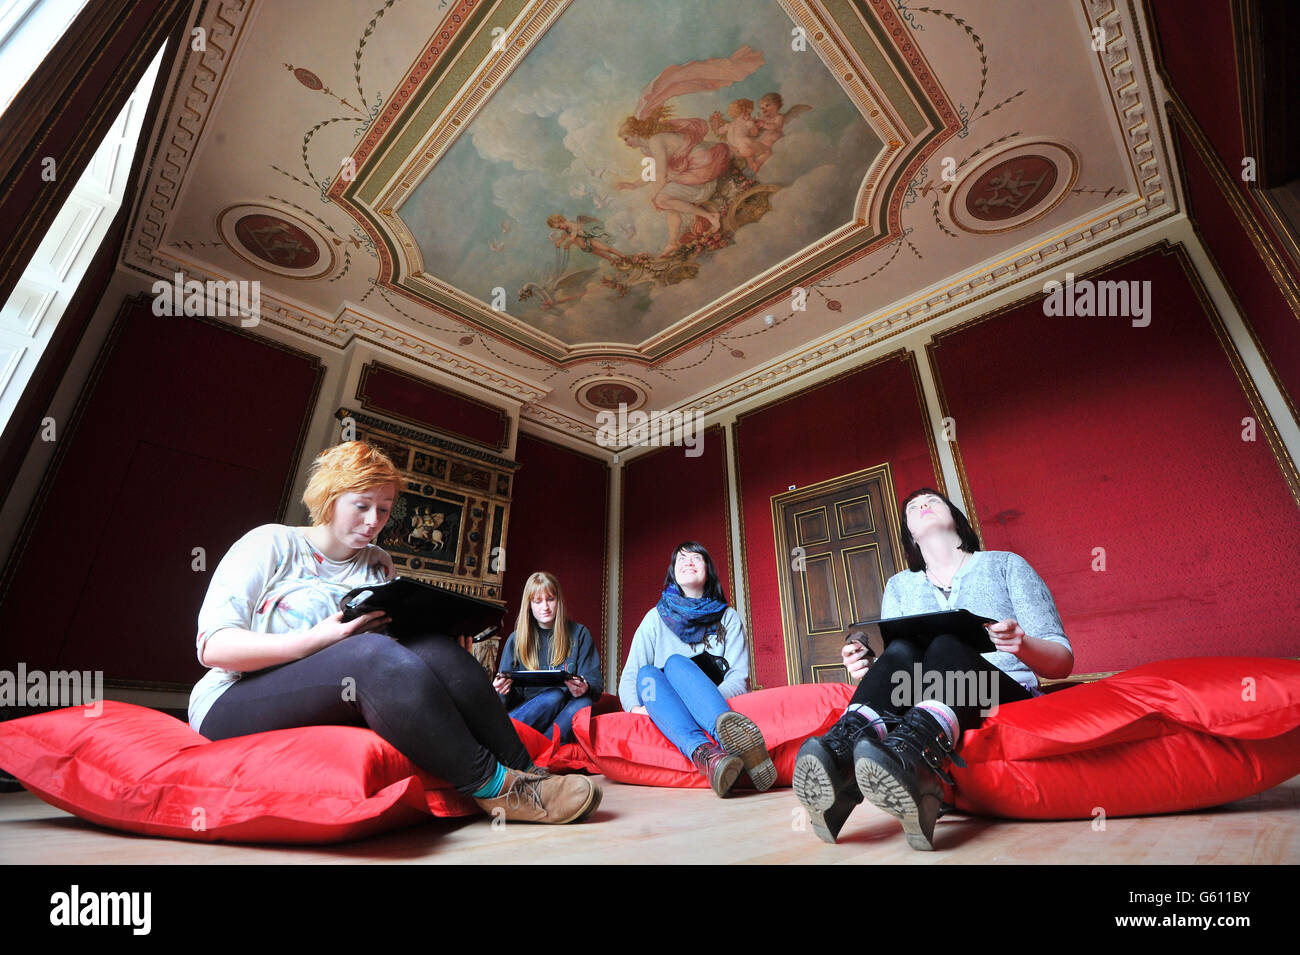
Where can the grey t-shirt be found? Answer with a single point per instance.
(992, 583)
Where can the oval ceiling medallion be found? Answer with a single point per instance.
(1012, 187)
(275, 241)
(308, 79)
(607, 394)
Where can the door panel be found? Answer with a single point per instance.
(833, 571)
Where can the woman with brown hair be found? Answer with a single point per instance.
(895, 740)
(280, 655)
(545, 638)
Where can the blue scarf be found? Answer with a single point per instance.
(691, 618)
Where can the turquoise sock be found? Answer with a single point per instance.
(492, 788)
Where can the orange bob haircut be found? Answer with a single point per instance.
(351, 467)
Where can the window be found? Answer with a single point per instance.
(28, 319)
(28, 31)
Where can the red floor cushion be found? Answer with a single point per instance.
(143, 771)
(1167, 736)
(627, 748)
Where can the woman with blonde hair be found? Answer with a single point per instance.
(280, 655)
(545, 638)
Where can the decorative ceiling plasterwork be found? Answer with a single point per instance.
(1128, 73)
(173, 225)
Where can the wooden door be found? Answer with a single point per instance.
(837, 543)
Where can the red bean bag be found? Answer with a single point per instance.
(627, 748)
(1169, 736)
(1164, 737)
(140, 770)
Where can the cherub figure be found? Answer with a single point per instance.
(771, 121)
(742, 133)
(587, 234)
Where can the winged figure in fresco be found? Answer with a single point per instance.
(687, 168)
(562, 285)
(587, 233)
(771, 121)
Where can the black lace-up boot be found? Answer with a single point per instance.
(901, 773)
(823, 774)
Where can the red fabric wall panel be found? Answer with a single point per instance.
(669, 498)
(390, 392)
(862, 419)
(557, 524)
(188, 439)
(1196, 47)
(1261, 300)
(1079, 433)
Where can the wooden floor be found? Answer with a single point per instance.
(642, 825)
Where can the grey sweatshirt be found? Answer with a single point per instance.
(993, 583)
(654, 643)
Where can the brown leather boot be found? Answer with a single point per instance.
(550, 799)
(720, 768)
(740, 736)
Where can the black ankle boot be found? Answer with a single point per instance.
(901, 774)
(824, 780)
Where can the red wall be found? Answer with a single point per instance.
(558, 524)
(862, 419)
(1079, 433)
(1262, 303)
(188, 439)
(397, 394)
(669, 498)
(1196, 49)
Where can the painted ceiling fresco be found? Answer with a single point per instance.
(552, 198)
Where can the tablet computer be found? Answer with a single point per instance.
(418, 607)
(548, 677)
(921, 628)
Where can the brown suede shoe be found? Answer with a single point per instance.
(549, 799)
(595, 803)
(720, 768)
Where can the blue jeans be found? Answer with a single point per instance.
(683, 702)
(554, 705)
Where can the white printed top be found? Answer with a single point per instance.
(272, 580)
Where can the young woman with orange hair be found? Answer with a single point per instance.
(281, 656)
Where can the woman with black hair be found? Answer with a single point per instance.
(908, 714)
(687, 659)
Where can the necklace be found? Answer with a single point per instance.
(947, 591)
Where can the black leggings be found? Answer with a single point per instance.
(426, 696)
(949, 671)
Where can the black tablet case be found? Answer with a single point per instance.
(921, 628)
(417, 607)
